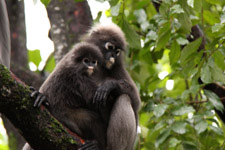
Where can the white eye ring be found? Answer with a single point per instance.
(118, 52)
(86, 60)
(95, 62)
(109, 46)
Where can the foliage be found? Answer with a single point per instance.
(176, 112)
(182, 117)
(3, 138)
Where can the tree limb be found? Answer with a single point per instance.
(37, 126)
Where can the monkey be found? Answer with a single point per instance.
(69, 91)
(123, 115)
(116, 98)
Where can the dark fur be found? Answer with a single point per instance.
(123, 119)
(70, 91)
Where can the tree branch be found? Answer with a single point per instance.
(37, 126)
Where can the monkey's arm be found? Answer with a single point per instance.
(114, 87)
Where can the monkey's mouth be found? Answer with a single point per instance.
(110, 62)
(90, 70)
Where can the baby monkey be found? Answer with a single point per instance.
(69, 92)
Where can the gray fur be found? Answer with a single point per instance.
(125, 108)
(69, 90)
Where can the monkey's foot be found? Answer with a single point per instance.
(40, 98)
(90, 145)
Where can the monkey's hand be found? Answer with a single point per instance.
(103, 92)
(89, 145)
(40, 98)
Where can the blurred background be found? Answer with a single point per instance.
(175, 56)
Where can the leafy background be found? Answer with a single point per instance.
(176, 113)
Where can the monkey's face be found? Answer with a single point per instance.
(89, 65)
(112, 54)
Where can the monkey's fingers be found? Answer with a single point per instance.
(34, 93)
(90, 145)
(37, 100)
(104, 99)
(42, 99)
(32, 88)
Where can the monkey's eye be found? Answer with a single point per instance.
(86, 61)
(109, 46)
(118, 52)
(95, 62)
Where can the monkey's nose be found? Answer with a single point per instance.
(112, 60)
(90, 70)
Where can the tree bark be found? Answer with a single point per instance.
(69, 20)
(37, 126)
(18, 32)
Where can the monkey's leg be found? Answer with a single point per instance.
(87, 124)
(121, 132)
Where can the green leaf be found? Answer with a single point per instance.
(183, 110)
(214, 100)
(218, 2)
(113, 2)
(201, 126)
(206, 75)
(34, 56)
(222, 17)
(174, 54)
(217, 27)
(160, 109)
(211, 17)
(179, 127)
(162, 137)
(141, 15)
(151, 35)
(219, 59)
(132, 37)
(217, 74)
(174, 142)
(115, 10)
(188, 145)
(50, 64)
(45, 2)
(189, 49)
(217, 130)
(164, 36)
(185, 21)
(176, 9)
(182, 41)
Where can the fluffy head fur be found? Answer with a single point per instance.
(74, 57)
(110, 32)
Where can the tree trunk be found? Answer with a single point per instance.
(37, 126)
(18, 32)
(69, 21)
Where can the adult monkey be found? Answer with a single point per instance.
(118, 110)
(123, 121)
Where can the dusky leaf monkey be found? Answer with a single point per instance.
(116, 98)
(123, 120)
(69, 92)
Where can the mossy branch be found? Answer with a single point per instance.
(37, 126)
